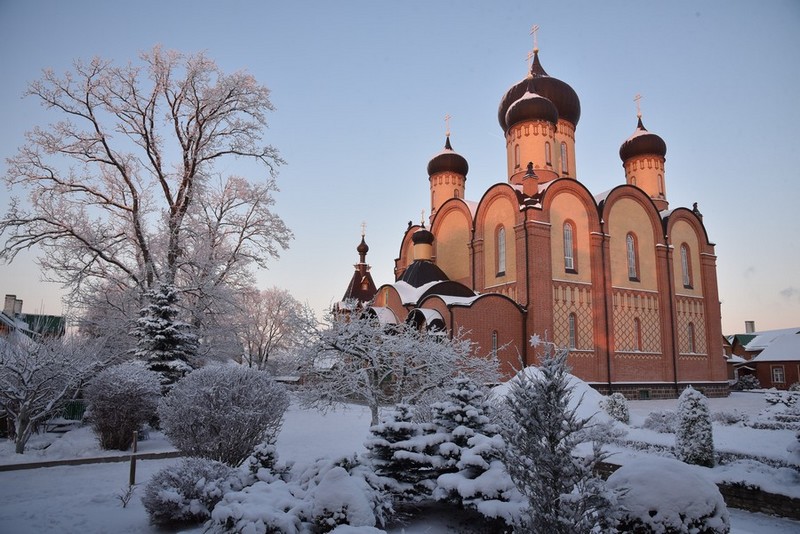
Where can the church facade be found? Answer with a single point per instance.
(622, 280)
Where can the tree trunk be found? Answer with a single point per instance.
(373, 409)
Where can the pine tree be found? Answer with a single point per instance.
(402, 453)
(542, 432)
(694, 440)
(165, 343)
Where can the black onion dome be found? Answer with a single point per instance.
(422, 236)
(642, 142)
(531, 106)
(362, 247)
(563, 97)
(448, 161)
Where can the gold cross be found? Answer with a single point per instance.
(422, 220)
(363, 228)
(534, 29)
(529, 59)
(636, 99)
(447, 118)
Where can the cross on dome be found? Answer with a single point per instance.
(447, 118)
(637, 99)
(534, 30)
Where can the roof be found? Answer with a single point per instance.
(422, 272)
(783, 348)
(762, 340)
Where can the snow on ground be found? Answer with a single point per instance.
(83, 499)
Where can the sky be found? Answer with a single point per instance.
(361, 89)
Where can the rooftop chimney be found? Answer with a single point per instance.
(749, 327)
(8, 305)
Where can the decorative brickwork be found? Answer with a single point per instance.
(569, 298)
(690, 310)
(631, 305)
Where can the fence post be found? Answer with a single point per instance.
(132, 478)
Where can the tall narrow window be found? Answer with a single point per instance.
(661, 186)
(516, 155)
(501, 251)
(637, 334)
(778, 375)
(630, 245)
(547, 157)
(494, 344)
(572, 330)
(456, 193)
(690, 338)
(686, 266)
(569, 247)
(564, 164)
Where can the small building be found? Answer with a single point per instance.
(778, 364)
(12, 319)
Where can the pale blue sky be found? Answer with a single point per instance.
(361, 89)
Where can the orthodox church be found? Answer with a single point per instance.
(626, 283)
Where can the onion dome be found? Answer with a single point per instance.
(563, 97)
(531, 106)
(423, 236)
(642, 142)
(362, 250)
(448, 161)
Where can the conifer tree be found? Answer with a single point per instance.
(165, 343)
(542, 433)
(694, 440)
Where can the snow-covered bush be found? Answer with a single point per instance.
(694, 441)
(681, 501)
(747, 382)
(795, 387)
(728, 418)
(189, 490)
(222, 413)
(616, 405)
(326, 495)
(665, 421)
(121, 399)
(785, 399)
(563, 493)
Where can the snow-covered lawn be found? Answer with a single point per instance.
(83, 499)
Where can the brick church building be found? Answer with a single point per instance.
(626, 283)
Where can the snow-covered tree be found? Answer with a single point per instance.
(165, 343)
(403, 452)
(472, 458)
(542, 432)
(38, 378)
(616, 405)
(358, 358)
(121, 399)
(694, 440)
(272, 322)
(223, 412)
(124, 186)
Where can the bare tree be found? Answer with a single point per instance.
(38, 378)
(274, 323)
(359, 359)
(123, 187)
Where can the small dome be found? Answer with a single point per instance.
(531, 106)
(448, 161)
(422, 237)
(642, 142)
(362, 247)
(563, 97)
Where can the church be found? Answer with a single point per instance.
(626, 283)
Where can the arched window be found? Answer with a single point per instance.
(501, 251)
(633, 180)
(494, 343)
(547, 157)
(516, 156)
(456, 193)
(569, 247)
(633, 257)
(637, 334)
(690, 346)
(686, 266)
(661, 186)
(564, 164)
(572, 330)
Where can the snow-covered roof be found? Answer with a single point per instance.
(736, 359)
(430, 315)
(458, 301)
(783, 348)
(600, 197)
(410, 294)
(385, 315)
(764, 339)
